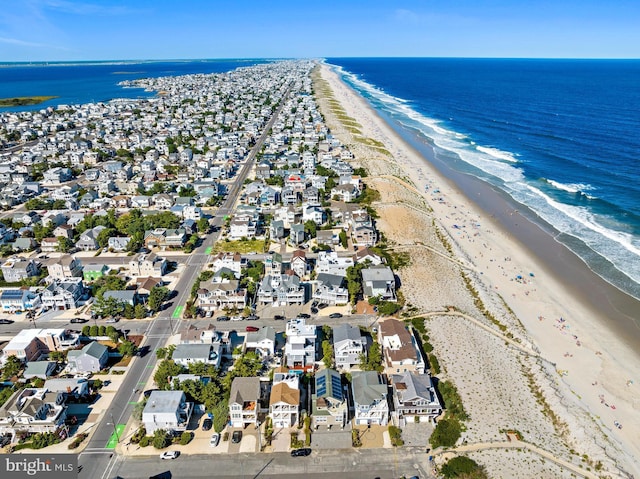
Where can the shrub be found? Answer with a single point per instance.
(161, 439)
(435, 365)
(295, 442)
(145, 441)
(86, 330)
(185, 438)
(139, 435)
(355, 438)
(78, 440)
(446, 433)
(462, 465)
(395, 434)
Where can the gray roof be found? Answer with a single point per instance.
(264, 333)
(94, 349)
(244, 389)
(332, 281)
(412, 386)
(39, 368)
(164, 402)
(378, 273)
(126, 295)
(345, 332)
(367, 387)
(190, 351)
(63, 385)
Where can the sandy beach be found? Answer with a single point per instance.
(554, 359)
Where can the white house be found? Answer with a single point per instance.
(300, 348)
(262, 341)
(348, 345)
(284, 402)
(168, 410)
(331, 263)
(369, 398)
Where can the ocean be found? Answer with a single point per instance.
(92, 82)
(560, 137)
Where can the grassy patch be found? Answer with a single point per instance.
(240, 246)
(24, 100)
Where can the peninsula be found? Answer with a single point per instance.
(24, 100)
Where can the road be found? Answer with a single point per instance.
(325, 464)
(96, 460)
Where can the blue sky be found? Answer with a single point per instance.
(49, 30)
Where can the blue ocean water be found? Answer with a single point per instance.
(559, 136)
(91, 82)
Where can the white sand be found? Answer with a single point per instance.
(492, 377)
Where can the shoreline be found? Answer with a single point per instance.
(538, 237)
(563, 312)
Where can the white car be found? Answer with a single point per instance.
(215, 440)
(169, 455)
(237, 318)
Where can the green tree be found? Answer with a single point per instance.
(343, 239)
(104, 235)
(310, 228)
(446, 433)
(140, 312)
(157, 296)
(373, 360)
(106, 307)
(64, 244)
(127, 348)
(12, 367)
(138, 409)
(166, 369)
(462, 466)
(203, 225)
(58, 356)
(327, 351)
(161, 439)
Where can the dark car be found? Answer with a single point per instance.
(314, 310)
(322, 305)
(335, 315)
(304, 315)
(236, 437)
(305, 451)
(252, 317)
(223, 318)
(207, 424)
(78, 320)
(279, 317)
(5, 321)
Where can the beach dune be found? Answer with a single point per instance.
(527, 349)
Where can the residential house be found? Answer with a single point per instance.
(327, 237)
(12, 300)
(281, 290)
(66, 231)
(330, 289)
(379, 281)
(147, 264)
(56, 176)
(168, 410)
(296, 234)
(300, 348)
(220, 293)
(118, 244)
(331, 263)
(186, 354)
(75, 387)
(364, 254)
(348, 346)
(65, 267)
(40, 369)
(232, 261)
(164, 238)
(329, 405)
(284, 401)
(49, 245)
(93, 357)
(369, 398)
(89, 239)
(263, 341)
(32, 344)
(364, 236)
(414, 398)
(17, 269)
(244, 401)
(32, 410)
(93, 271)
(399, 348)
(276, 230)
(242, 227)
(63, 294)
(127, 296)
(298, 263)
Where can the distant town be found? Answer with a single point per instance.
(199, 272)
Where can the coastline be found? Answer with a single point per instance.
(564, 312)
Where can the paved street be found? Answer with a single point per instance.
(349, 463)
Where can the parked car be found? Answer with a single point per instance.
(335, 315)
(252, 329)
(5, 321)
(279, 317)
(223, 318)
(322, 305)
(253, 317)
(169, 454)
(314, 310)
(207, 424)
(236, 437)
(304, 315)
(112, 320)
(305, 451)
(215, 439)
(237, 318)
(78, 320)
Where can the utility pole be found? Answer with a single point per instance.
(115, 429)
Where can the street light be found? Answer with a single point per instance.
(115, 429)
